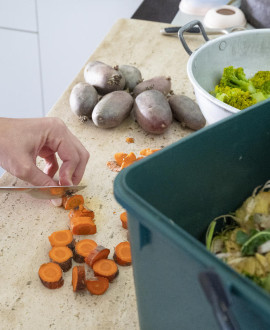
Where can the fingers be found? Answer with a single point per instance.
(51, 166)
(29, 172)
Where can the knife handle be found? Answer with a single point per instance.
(175, 29)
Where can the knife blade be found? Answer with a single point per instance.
(42, 192)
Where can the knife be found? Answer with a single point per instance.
(173, 31)
(43, 192)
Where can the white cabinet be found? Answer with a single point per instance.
(21, 94)
(18, 14)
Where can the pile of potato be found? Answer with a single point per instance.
(109, 95)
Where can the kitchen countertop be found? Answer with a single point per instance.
(26, 223)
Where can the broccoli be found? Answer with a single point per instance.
(236, 90)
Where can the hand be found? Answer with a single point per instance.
(23, 140)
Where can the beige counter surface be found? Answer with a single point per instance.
(26, 223)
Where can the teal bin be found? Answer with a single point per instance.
(171, 197)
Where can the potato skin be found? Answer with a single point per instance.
(186, 111)
(103, 77)
(152, 111)
(82, 100)
(160, 83)
(112, 109)
(132, 76)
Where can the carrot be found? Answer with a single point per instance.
(81, 211)
(100, 252)
(73, 201)
(82, 226)
(122, 254)
(119, 157)
(97, 286)
(130, 140)
(106, 268)
(78, 278)
(124, 219)
(62, 255)
(82, 249)
(62, 238)
(148, 151)
(128, 160)
(50, 275)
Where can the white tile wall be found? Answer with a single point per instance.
(44, 43)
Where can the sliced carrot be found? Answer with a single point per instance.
(97, 286)
(78, 278)
(122, 254)
(81, 211)
(128, 160)
(73, 201)
(62, 255)
(62, 238)
(124, 219)
(105, 268)
(148, 151)
(50, 275)
(83, 248)
(100, 252)
(119, 157)
(82, 226)
(130, 140)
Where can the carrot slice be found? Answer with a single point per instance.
(122, 254)
(50, 275)
(82, 226)
(100, 252)
(73, 201)
(124, 219)
(106, 268)
(78, 278)
(62, 238)
(97, 286)
(148, 151)
(128, 160)
(130, 140)
(62, 255)
(119, 157)
(81, 211)
(83, 248)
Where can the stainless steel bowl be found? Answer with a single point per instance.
(249, 49)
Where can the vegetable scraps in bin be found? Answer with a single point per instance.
(243, 238)
(240, 92)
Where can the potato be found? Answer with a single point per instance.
(112, 109)
(160, 83)
(103, 77)
(132, 76)
(152, 111)
(83, 99)
(186, 111)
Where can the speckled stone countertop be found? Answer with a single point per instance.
(26, 223)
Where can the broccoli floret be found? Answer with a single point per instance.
(260, 78)
(234, 97)
(236, 78)
(238, 91)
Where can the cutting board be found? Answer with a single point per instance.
(26, 223)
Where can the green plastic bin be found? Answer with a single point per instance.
(171, 197)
